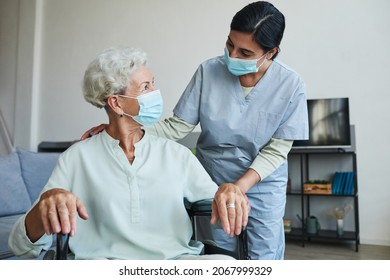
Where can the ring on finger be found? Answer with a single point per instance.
(230, 205)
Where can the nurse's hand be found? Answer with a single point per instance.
(55, 212)
(93, 131)
(231, 207)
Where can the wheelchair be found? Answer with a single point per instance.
(196, 209)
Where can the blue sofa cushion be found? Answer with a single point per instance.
(14, 198)
(36, 170)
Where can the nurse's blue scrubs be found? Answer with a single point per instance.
(234, 128)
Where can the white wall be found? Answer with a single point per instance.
(9, 11)
(339, 47)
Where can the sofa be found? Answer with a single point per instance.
(23, 174)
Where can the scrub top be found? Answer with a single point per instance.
(234, 127)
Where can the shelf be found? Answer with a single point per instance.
(297, 232)
(323, 235)
(294, 193)
(309, 164)
(319, 194)
(332, 234)
(330, 195)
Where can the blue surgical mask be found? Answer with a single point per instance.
(150, 107)
(239, 67)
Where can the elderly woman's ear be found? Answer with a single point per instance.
(114, 106)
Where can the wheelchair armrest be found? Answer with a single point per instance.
(199, 208)
(211, 248)
(204, 208)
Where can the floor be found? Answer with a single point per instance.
(321, 250)
(334, 251)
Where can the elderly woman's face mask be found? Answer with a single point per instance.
(150, 107)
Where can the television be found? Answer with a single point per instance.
(329, 126)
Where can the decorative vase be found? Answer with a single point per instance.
(340, 227)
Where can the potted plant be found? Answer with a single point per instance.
(339, 213)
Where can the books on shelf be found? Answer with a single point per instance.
(343, 183)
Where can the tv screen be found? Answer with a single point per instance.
(329, 125)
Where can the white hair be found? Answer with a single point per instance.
(110, 72)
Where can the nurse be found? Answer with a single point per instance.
(250, 107)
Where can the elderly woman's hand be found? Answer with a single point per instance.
(55, 212)
(231, 207)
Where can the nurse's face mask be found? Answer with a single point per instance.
(239, 67)
(150, 107)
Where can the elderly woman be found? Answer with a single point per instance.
(124, 188)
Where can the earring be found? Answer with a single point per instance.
(121, 115)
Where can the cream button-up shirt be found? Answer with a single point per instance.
(136, 211)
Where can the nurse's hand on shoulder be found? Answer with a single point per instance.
(93, 131)
(231, 207)
(55, 212)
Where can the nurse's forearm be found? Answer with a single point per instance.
(172, 128)
(267, 161)
(271, 157)
(248, 180)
